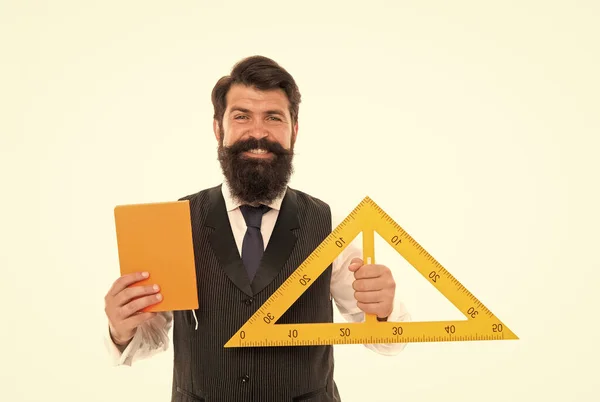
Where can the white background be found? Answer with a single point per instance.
(474, 125)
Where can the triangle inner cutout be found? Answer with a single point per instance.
(423, 301)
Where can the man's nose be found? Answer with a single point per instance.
(258, 129)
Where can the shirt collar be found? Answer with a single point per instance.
(231, 203)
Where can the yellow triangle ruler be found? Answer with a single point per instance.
(261, 329)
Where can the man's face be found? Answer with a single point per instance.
(256, 143)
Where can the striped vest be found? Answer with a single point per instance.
(203, 369)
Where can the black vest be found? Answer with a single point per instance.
(206, 371)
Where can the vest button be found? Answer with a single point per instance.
(249, 301)
(245, 379)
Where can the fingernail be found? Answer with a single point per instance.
(145, 274)
(155, 287)
(159, 296)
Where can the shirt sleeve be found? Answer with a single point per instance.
(151, 337)
(342, 293)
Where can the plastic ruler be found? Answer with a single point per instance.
(261, 329)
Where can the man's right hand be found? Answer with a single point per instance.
(123, 304)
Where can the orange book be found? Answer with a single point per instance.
(157, 238)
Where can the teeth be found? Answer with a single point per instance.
(258, 151)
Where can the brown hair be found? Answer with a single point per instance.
(261, 73)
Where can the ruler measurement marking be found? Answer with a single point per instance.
(347, 341)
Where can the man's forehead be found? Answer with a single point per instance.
(252, 98)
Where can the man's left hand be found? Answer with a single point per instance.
(374, 288)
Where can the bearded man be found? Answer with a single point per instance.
(250, 233)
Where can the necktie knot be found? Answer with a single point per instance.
(253, 215)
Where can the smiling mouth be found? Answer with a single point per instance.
(257, 153)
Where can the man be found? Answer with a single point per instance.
(250, 233)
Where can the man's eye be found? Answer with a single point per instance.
(274, 118)
(239, 116)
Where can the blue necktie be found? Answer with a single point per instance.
(252, 246)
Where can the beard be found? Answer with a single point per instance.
(256, 180)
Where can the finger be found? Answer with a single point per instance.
(370, 308)
(137, 319)
(133, 292)
(355, 264)
(375, 296)
(369, 271)
(126, 280)
(368, 285)
(138, 304)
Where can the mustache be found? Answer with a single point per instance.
(262, 143)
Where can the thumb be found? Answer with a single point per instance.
(355, 264)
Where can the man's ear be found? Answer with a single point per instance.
(216, 130)
(295, 132)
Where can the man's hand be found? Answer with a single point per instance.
(374, 288)
(123, 304)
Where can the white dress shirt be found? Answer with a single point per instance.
(153, 335)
